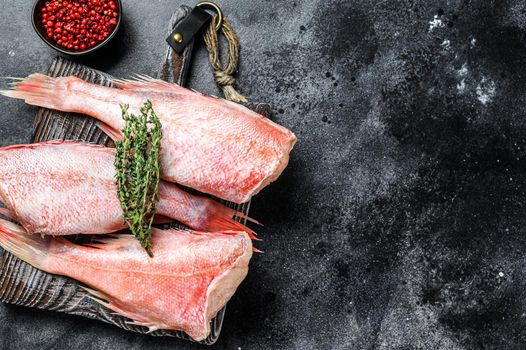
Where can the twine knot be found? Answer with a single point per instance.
(223, 79)
(224, 76)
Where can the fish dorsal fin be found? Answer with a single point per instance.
(146, 83)
(32, 145)
(59, 143)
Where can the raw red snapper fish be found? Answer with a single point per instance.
(190, 278)
(66, 187)
(210, 144)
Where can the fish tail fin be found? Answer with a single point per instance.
(215, 216)
(28, 247)
(247, 218)
(221, 221)
(41, 90)
(198, 212)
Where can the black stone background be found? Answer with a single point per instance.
(399, 223)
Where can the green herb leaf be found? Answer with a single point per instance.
(138, 170)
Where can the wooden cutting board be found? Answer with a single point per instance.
(22, 284)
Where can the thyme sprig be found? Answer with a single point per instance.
(138, 169)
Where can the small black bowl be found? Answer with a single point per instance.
(36, 19)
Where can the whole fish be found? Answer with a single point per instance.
(66, 187)
(190, 278)
(209, 144)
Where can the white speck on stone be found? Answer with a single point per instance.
(446, 44)
(463, 71)
(12, 53)
(501, 274)
(435, 23)
(472, 43)
(461, 86)
(486, 90)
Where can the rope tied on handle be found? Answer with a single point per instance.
(224, 76)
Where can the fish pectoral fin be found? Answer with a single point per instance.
(152, 327)
(94, 292)
(146, 83)
(97, 296)
(135, 318)
(106, 301)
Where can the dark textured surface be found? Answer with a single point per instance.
(399, 223)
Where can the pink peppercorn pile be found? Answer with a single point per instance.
(79, 24)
